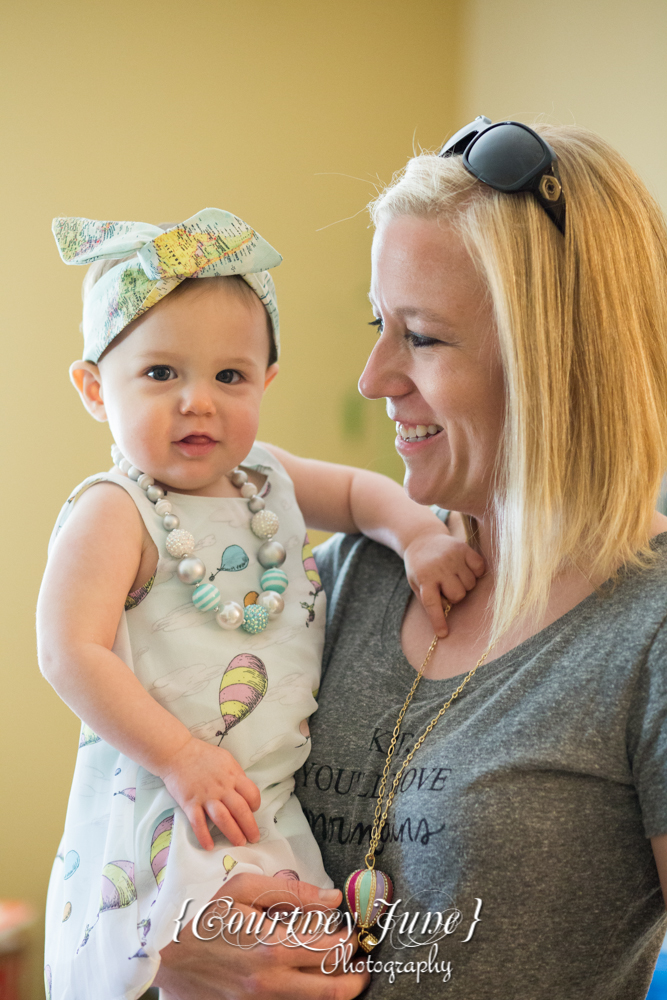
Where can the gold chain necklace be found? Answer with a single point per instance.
(368, 891)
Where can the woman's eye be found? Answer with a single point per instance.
(228, 376)
(378, 323)
(416, 340)
(161, 373)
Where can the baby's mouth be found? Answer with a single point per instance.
(196, 444)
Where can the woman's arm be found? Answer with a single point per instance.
(91, 568)
(342, 498)
(659, 845)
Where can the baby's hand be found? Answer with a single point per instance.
(206, 781)
(438, 565)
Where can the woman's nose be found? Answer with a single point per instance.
(382, 375)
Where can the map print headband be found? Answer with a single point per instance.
(211, 243)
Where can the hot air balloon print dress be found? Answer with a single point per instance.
(128, 858)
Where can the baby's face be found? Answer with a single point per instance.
(182, 390)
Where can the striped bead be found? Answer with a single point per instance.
(275, 579)
(205, 597)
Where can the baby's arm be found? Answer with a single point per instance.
(342, 498)
(91, 568)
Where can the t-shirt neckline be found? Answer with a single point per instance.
(398, 604)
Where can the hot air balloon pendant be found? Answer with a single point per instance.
(368, 893)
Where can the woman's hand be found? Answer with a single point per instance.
(219, 970)
(206, 781)
(438, 566)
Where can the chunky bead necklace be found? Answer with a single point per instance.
(191, 570)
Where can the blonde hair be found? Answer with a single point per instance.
(582, 327)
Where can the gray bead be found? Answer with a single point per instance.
(255, 504)
(271, 554)
(238, 477)
(170, 521)
(133, 473)
(191, 569)
(155, 493)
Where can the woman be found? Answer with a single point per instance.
(526, 331)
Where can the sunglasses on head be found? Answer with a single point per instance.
(511, 157)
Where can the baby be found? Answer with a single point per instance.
(181, 614)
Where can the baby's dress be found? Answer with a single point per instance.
(128, 859)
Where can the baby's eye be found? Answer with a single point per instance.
(161, 373)
(229, 376)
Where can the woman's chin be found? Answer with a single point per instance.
(421, 492)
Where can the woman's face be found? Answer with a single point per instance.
(437, 362)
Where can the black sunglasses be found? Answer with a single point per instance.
(510, 156)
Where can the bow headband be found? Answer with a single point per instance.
(211, 243)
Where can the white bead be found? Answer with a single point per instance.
(239, 477)
(264, 524)
(116, 453)
(255, 504)
(134, 473)
(145, 481)
(273, 603)
(124, 465)
(170, 522)
(248, 490)
(163, 507)
(230, 615)
(191, 570)
(155, 493)
(180, 543)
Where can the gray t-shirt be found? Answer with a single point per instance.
(536, 793)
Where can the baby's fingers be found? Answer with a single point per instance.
(240, 810)
(476, 563)
(250, 792)
(431, 598)
(197, 818)
(226, 823)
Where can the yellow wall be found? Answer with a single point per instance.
(286, 112)
(598, 63)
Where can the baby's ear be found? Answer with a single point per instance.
(271, 373)
(85, 377)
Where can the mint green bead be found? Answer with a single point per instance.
(205, 597)
(256, 619)
(275, 579)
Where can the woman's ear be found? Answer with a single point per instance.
(271, 373)
(86, 379)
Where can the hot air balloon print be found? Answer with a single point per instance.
(244, 684)
(310, 567)
(129, 793)
(87, 736)
(228, 862)
(72, 862)
(117, 885)
(117, 891)
(160, 844)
